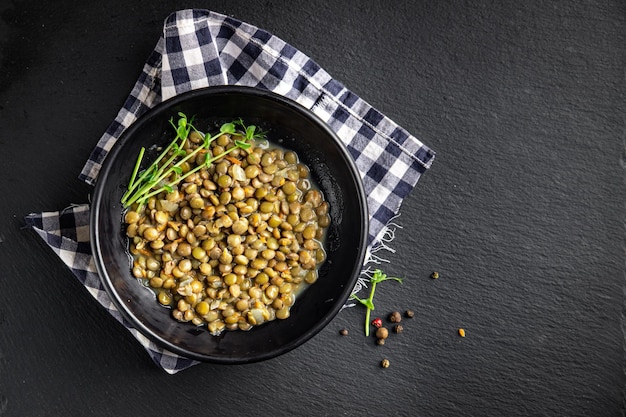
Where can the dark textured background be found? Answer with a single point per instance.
(522, 212)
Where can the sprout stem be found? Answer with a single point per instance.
(378, 276)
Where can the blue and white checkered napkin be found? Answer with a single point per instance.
(200, 48)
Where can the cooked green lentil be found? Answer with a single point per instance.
(235, 244)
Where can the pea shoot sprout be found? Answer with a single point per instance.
(168, 168)
(368, 302)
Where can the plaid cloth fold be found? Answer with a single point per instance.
(200, 48)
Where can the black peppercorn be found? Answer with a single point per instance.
(395, 317)
(382, 333)
(409, 313)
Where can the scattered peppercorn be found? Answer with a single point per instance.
(462, 332)
(434, 275)
(377, 322)
(409, 313)
(398, 328)
(395, 317)
(384, 363)
(343, 332)
(382, 333)
(380, 342)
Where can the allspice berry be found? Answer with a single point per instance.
(395, 317)
(382, 333)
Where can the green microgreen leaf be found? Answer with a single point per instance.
(250, 132)
(242, 144)
(228, 128)
(365, 301)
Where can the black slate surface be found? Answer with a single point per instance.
(522, 213)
